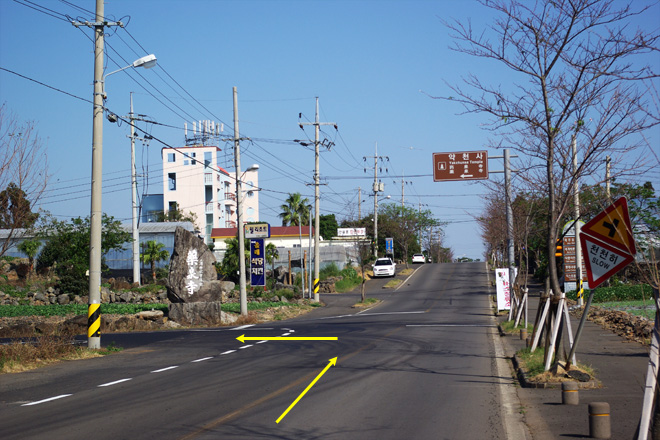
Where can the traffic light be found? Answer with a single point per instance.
(559, 249)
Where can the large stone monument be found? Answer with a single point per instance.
(191, 267)
(193, 285)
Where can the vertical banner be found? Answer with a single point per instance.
(257, 262)
(389, 246)
(503, 290)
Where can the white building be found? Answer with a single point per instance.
(194, 181)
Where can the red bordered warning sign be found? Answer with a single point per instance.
(612, 226)
(602, 260)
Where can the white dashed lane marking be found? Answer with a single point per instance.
(50, 399)
(165, 369)
(115, 382)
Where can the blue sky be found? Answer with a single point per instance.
(367, 61)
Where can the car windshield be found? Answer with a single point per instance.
(383, 263)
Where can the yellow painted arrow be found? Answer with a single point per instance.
(333, 362)
(244, 338)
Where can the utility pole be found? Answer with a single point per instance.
(96, 214)
(377, 187)
(317, 258)
(136, 232)
(509, 225)
(239, 209)
(578, 245)
(359, 203)
(608, 159)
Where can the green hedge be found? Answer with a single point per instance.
(623, 292)
(77, 309)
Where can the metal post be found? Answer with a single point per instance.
(134, 189)
(94, 303)
(239, 209)
(509, 227)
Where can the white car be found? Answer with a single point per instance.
(418, 258)
(384, 267)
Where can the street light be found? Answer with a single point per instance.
(241, 231)
(147, 61)
(93, 313)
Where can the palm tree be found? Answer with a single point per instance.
(294, 210)
(271, 255)
(30, 248)
(152, 253)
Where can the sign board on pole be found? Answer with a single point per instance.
(502, 289)
(602, 260)
(351, 232)
(612, 226)
(257, 230)
(257, 262)
(461, 165)
(389, 246)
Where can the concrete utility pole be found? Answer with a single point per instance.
(359, 203)
(136, 232)
(239, 209)
(578, 246)
(96, 214)
(608, 160)
(377, 187)
(509, 223)
(317, 258)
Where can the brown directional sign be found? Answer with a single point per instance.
(460, 165)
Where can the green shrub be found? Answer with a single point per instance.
(349, 272)
(13, 291)
(331, 270)
(623, 292)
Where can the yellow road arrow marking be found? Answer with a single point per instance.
(333, 361)
(244, 338)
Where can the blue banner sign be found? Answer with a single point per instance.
(257, 262)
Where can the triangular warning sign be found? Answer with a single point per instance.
(612, 226)
(601, 260)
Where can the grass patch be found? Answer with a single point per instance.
(392, 284)
(406, 272)
(23, 356)
(507, 326)
(367, 302)
(534, 366)
(347, 284)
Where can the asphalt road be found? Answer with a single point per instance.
(421, 365)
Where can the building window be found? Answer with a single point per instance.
(193, 161)
(173, 206)
(171, 157)
(208, 157)
(186, 162)
(171, 178)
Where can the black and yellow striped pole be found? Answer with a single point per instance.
(94, 321)
(580, 289)
(316, 286)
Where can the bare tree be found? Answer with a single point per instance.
(23, 174)
(575, 76)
